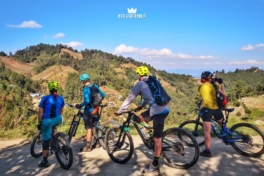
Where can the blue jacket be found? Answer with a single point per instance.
(51, 106)
(86, 95)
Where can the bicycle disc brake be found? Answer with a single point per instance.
(178, 148)
(248, 139)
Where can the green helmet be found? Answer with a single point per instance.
(53, 85)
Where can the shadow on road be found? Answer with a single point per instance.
(16, 160)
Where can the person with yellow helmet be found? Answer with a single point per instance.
(49, 115)
(155, 112)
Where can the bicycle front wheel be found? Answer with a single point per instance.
(36, 146)
(198, 134)
(72, 130)
(175, 152)
(103, 128)
(248, 139)
(120, 151)
(63, 151)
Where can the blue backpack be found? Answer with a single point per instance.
(161, 97)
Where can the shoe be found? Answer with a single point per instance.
(151, 168)
(206, 153)
(86, 149)
(44, 164)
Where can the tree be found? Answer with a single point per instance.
(2, 53)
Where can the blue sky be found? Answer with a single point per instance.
(181, 36)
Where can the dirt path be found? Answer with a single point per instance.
(15, 159)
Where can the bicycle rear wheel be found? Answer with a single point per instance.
(198, 134)
(103, 128)
(63, 151)
(175, 152)
(119, 151)
(36, 146)
(249, 139)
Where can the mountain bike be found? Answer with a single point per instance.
(98, 130)
(58, 145)
(175, 152)
(245, 138)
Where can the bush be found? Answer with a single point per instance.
(238, 114)
(247, 111)
(237, 103)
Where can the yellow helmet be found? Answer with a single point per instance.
(53, 85)
(142, 71)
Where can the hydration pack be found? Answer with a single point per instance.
(161, 97)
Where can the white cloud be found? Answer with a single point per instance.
(26, 24)
(247, 62)
(123, 49)
(259, 47)
(59, 35)
(153, 53)
(73, 44)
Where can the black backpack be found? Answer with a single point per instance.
(161, 97)
(95, 96)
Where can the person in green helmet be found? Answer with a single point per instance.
(49, 115)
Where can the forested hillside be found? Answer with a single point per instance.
(15, 99)
(113, 72)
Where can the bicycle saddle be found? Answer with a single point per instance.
(228, 109)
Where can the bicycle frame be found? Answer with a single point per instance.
(225, 131)
(125, 127)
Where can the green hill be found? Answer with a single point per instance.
(116, 75)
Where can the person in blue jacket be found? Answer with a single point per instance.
(91, 113)
(49, 115)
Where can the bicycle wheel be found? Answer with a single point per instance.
(122, 151)
(72, 130)
(249, 140)
(190, 126)
(36, 146)
(176, 153)
(63, 151)
(103, 128)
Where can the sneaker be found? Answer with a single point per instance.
(151, 168)
(86, 149)
(44, 164)
(206, 153)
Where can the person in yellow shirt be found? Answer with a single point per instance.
(210, 109)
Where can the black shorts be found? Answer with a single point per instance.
(90, 119)
(208, 114)
(158, 122)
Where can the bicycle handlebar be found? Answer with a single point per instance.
(32, 110)
(133, 110)
(73, 106)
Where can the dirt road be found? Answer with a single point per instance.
(15, 159)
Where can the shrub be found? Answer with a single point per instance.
(237, 103)
(238, 114)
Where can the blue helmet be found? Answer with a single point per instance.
(84, 77)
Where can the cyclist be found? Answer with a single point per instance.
(49, 115)
(155, 113)
(91, 114)
(210, 109)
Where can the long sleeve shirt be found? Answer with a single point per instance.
(87, 98)
(142, 88)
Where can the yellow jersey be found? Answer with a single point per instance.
(208, 94)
